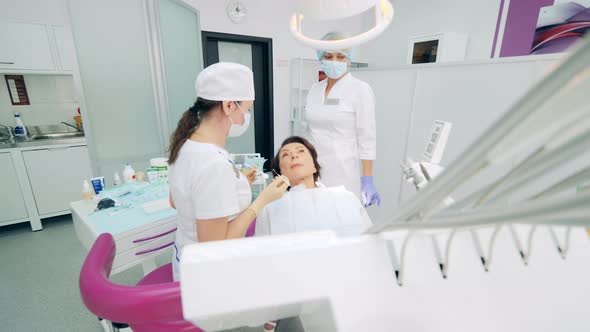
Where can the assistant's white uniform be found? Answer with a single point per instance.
(321, 208)
(204, 184)
(342, 129)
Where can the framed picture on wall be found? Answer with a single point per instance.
(17, 90)
(560, 26)
(539, 26)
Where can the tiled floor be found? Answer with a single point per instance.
(39, 279)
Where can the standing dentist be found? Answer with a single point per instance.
(212, 197)
(340, 116)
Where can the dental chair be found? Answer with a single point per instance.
(152, 305)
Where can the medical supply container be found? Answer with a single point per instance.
(116, 179)
(161, 165)
(87, 191)
(128, 174)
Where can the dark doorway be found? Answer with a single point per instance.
(256, 53)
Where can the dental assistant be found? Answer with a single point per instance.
(340, 117)
(212, 197)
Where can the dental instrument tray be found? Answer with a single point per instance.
(135, 203)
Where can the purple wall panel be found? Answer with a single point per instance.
(519, 29)
(498, 21)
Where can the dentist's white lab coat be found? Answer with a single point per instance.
(320, 208)
(342, 129)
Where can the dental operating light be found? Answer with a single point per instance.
(338, 9)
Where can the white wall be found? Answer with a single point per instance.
(270, 19)
(409, 98)
(423, 17)
(53, 99)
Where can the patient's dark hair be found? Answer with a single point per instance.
(275, 163)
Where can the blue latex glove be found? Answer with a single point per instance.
(369, 194)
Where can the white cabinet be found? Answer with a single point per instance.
(25, 46)
(35, 48)
(65, 48)
(12, 204)
(56, 176)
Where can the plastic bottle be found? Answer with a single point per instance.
(87, 191)
(116, 179)
(128, 174)
(19, 129)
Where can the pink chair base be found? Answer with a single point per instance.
(162, 275)
(158, 276)
(154, 304)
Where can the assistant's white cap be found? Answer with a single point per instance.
(225, 81)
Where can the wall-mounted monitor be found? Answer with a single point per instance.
(425, 52)
(436, 48)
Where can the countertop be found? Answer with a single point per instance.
(130, 214)
(27, 143)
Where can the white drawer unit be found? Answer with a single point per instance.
(39, 181)
(143, 244)
(136, 255)
(138, 244)
(56, 176)
(145, 235)
(12, 203)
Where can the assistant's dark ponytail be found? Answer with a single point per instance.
(187, 124)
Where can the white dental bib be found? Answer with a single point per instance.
(321, 208)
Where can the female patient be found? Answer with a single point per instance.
(309, 205)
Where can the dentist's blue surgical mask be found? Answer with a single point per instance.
(334, 69)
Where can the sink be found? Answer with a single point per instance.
(5, 136)
(5, 140)
(53, 132)
(56, 136)
(39, 135)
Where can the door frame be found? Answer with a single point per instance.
(262, 61)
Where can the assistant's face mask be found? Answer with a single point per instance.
(334, 69)
(237, 130)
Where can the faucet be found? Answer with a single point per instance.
(70, 125)
(9, 129)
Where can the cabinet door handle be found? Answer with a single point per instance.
(6, 63)
(154, 249)
(155, 236)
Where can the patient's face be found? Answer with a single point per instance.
(296, 162)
